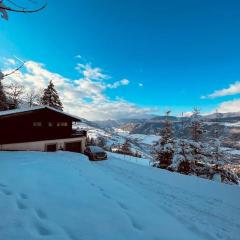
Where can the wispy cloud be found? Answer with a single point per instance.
(140, 84)
(117, 84)
(231, 90)
(89, 72)
(78, 56)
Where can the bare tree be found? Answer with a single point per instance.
(3, 98)
(15, 94)
(32, 97)
(14, 7)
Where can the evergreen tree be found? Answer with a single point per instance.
(196, 125)
(3, 98)
(101, 142)
(51, 98)
(217, 152)
(126, 148)
(166, 145)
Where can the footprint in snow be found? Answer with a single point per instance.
(42, 230)
(122, 205)
(23, 196)
(41, 214)
(104, 194)
(21, 205)
(135, 223)
(3, 185)
(6, 192)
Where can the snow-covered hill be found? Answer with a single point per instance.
(63, 196)
(141, 143)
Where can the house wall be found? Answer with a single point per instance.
(41, 145)
(20, 127)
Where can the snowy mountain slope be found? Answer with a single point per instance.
(139, 142)
(229, 127)
(63, 196)
(145, 139)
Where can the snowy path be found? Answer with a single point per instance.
(63, 196)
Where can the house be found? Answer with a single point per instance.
(40, 128)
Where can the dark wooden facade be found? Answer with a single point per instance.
(36, 125)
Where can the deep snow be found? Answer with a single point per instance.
(63, 196)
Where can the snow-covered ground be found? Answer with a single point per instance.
(63, 196)
(140, 161)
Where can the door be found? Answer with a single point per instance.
(73, 146)
(51, 147)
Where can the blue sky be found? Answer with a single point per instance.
(178, 51)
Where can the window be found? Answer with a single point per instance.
(62, 124)
(37, 124)
(50, 124)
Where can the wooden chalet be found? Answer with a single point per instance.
(40, 129)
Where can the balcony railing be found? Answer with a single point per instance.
(79, 133)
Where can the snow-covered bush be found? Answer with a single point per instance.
(195, 158)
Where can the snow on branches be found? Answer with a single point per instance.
(192, 157)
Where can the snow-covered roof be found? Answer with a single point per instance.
(23, 110)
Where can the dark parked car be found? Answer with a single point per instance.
(95, 153)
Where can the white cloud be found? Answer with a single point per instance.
(140, 85)
(231, 90)
(90, 72)
(85, 96)
(11, 61)
(78, 56)
(229, 106)
(117, 84)
(186, 114)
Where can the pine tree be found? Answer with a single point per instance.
(216, 141)
(101, 142)
(51, 98)
(126, 148)
(196, 125)
(167, 132)
(3, 98)
(166, 148)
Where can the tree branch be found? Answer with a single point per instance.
(23, 10)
